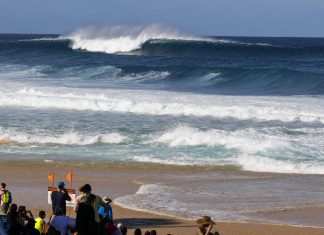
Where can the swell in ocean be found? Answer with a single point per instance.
(100, 56)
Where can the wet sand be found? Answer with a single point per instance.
(28, 183)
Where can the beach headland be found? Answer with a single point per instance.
(28, 183)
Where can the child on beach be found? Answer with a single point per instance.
(40, 224)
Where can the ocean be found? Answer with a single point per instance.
(153, 95)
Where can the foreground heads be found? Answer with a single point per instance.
(94, 216)
(205, 226)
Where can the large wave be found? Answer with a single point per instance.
(157, 39)
(122, 38)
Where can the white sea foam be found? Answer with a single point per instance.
(68, 138)
(146, 76)
(89, 72)
(122, 38)
(228, 198)
(247, 140)
(21, 71)
(265, 164)
(285, 109)
(146, 199)
(177, 160)
(166, 200)
(208, 78)
(10, 72)
(246, 162)
(253, 149)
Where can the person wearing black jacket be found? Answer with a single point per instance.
(59, 198)
(85, 223)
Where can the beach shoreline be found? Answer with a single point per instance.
(27, 180)
(171, 225)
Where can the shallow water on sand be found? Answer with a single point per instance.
(181, 191)
(229, 195)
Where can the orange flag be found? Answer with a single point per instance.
(69, 177)
(51, 177)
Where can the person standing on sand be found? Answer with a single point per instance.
(85, 223)
(97, 203)
(107, 215)
(205, 226)
(79, 197)
(59, 198)
(5, 199)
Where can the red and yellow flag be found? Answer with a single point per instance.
(69, 177)
(51, 177)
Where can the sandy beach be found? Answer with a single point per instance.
(28, 183)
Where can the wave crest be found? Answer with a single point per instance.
(292, 109)
(121, 38)
(248, 140)
(68, 138)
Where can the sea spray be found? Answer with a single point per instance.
(121, 38)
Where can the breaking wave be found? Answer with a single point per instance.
(287, 109)
(68, 138)
(121, 38)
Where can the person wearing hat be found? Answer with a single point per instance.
(59, 198)
(106, 213)
(205, 225)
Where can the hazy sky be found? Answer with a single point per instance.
(202, 17)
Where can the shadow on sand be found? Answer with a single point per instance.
(145, 222)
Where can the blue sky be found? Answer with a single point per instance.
(201, 17)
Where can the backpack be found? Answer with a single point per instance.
(6, 197)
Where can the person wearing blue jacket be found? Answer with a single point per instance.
(106, 214)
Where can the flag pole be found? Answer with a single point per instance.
(69, 177)
(53, 179)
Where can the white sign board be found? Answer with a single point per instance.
(71, 193)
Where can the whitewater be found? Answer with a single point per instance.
(122, 38)
(304, 109)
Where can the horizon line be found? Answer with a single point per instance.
(242, 36)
